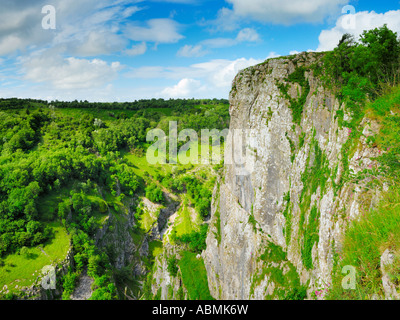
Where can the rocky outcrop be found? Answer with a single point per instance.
(83, 290)
(293, 187)
(164, 285)
(389, 287)
(39, 292)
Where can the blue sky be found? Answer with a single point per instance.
(124, 50)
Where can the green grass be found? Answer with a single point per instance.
(315, 176)
(184, 222)
(375, 231)
(311, 236)
(147, 220)
(27, 268)
(281, 272)
(149, 163)
(142, 165)
(217, 214)
(194, 276)
(365, 241)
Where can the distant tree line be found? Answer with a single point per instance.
(15, 103)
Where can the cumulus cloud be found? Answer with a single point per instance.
(244, 35)
(98, 43)
(355, 24)
(137, 50)
(16, 27)
(226, 20)
(213, 78)
(68, 73)
(285, 11)
(184, 89)
(156, 30)
(248, 35)
(220, 73)
(189, 51)
(85, 27)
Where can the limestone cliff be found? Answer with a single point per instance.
(293, 189)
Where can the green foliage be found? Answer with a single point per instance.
(287, 213)
(365, 241)
(103, 289)
(196, 241)
(274, 253)
(253, 221)
(69, 282)
(281, 272)
(358, 70)
(302, 139)
(124, 177)
(172, 266)
(154, 193)
(64, 162)
(296, 105)
(375, 231)
(199, 194)
(315, 176)
(311, 236)
(194, 276)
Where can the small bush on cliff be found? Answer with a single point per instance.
(172, 265)
(154, 193)
(196, 241)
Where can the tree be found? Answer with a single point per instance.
(172, 265)
(154, 193)
(381, 57)
(24, 251)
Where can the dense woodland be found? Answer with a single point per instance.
(47, 149)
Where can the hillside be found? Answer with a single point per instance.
(302, 202)
(75, 179)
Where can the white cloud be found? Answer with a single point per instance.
(178, 1)
(184, 89)
(212, 78)
(10, 44)
(219, 42)
(17, 27)
(244, 35)
(220, 73)
(157, 30)
(189, 51)
(217, 72)
(364, 20)
(97, 43)
(272, 55)
(68, 73)
(248, 35)
(85, 27)
(286, 11)
(226, 20)
(137, 50)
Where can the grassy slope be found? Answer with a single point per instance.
(27, 268)
(377, 230)
(194, 277)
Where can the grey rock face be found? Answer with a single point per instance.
(388, 286)
(249, 205)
